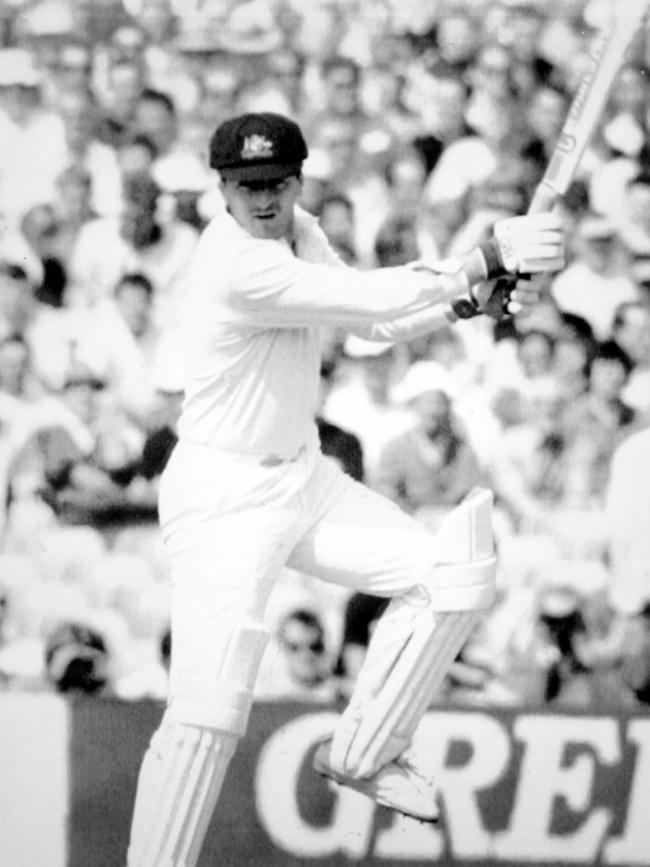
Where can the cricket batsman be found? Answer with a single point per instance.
(247, 490)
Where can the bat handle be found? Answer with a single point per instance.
(544, 200)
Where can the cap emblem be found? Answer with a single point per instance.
(256, 147)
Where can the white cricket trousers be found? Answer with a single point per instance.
(230, 523)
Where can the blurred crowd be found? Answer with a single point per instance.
(427, 121)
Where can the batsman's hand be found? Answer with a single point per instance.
(530, 244)
(508, 295)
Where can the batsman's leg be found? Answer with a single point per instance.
(412, 648)
(225, 555)
(185, 765)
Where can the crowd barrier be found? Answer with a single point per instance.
(518, 787)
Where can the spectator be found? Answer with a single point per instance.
(82, 148)
(48, 332)
(598, 280)
(156, 118)
(31, 137)
(360, 400)
(17, 379)
(631, 330)
(359, 617)
(76, 660)
(439, 96)
(136, 155)
(138, 240)
(458, 38)
(42, 226)
(635, 223)
(298, 665)
(529, 467)
(121, 341)
(342, 79)
(468, 161)
(337, 219)
(124, 82)
(75, 457)
(573, 352)
(431, 466)
(396, 241)
(337, 443)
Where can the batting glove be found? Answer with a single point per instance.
(525, 245)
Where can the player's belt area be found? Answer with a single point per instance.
(260, 460)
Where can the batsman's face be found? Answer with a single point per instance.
(264, 208)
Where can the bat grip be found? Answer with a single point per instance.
(544, 200)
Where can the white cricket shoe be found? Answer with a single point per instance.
(397, 785)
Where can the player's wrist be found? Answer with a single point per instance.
(493, 264)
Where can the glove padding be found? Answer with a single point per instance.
(530, 244)
(500, 299)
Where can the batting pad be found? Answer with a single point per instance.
(178, 788)
(415, 642)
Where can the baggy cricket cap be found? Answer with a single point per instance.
(259, 146)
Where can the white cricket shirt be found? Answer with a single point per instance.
(251, 318)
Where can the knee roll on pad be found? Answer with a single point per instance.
(464, 578)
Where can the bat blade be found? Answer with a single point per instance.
(605, 59)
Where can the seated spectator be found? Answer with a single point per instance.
(599, 278)
(337, 443)
(48, 332)
(83, 149)
(501, 194)
(527, 366)
(76, 458)
(337, 219)
(573, 352)
(17, 378)
(431, 464)
(635, 222)
(438, 96)
(469, 161)
(596, 422)
(360, 614)
(123, 82)
(31, 137)
(297, 665)
(41, 227)
(567, 679)
(406, 174)
(360, 400)
(528, 469)
(631, 331)
(136, 241)
(121, 340)
(136, 155)
(155, 116)
(396, 241)
(76, 660)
